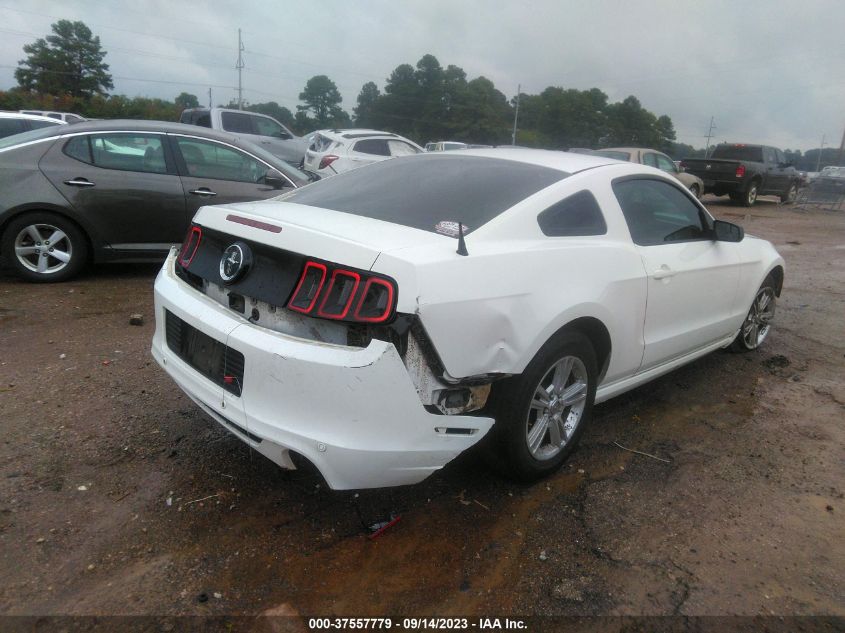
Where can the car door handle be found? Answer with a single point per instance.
(79, 182)
(664, 272)
(202, 191)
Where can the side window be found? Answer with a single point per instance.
(237, 122)
(659, 213)
(665, 164)
(54, 115)
(129, 152)
(375, 146)
(11, 126)
(268, 127)
(72, 118)
(579, 214)
(769, 155)
(37, 125)
(78, 148)
(401, 148)
(207, 159)
(650, 159)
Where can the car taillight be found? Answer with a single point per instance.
(740, 171)
(334, 292)
(190, 246)
(327, 160)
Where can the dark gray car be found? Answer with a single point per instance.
(120, 190)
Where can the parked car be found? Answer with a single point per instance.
(66, 117)
(14, 123)
(335, 151)
(257, 128)
(653, 158)
(445, 146)
(120, 190)
(744, 172)
(581, 150)
(382, 321)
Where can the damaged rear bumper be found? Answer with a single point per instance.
(353, 412)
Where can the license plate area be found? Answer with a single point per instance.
(213, 359)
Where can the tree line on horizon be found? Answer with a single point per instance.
(66, 71)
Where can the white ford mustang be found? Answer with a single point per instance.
(383, 321)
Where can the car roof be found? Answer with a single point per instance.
(356, 133)
(126, 125)
(564, 161)
(30, 117)
(630, 149)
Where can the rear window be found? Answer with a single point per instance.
(26, 137)
(422, 191)
(614, 155)
(738, 152)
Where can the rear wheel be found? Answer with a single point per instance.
(750, 196)
(790, 195)
(758, 321)
(44, 247)
(541, 414)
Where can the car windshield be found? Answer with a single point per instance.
(26, 137)
(614, 154)
(738, 152)
(426, 190)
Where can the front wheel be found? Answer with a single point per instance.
(541, 414)
(44, 247)
(758, 321)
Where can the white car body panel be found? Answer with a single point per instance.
(344, 148)
(485, 313)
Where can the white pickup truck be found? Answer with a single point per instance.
(257, 128)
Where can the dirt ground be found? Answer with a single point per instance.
(118, 496)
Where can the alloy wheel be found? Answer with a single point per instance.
(43, 248)
(757, 324)
(556, 408)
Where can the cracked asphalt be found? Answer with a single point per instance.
(118, 496)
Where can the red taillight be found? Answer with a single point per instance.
(190, 246)
(327, 160)
(339, 295)
(376, 301)
(740, 171)
(372, 297)
(308, 288)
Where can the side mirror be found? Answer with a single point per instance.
(727, 231)
(275, 179)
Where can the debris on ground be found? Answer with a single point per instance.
(136, 319)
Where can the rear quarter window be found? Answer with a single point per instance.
(577, 215)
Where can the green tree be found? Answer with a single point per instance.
(367, 100)
(273, 109)
(322, 99)
(186, 100)
(70, 61)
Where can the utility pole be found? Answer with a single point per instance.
(709, 136)
(821, 149)
(240, 67)
(209, 97)
(516, 114)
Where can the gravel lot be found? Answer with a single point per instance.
(117, 496)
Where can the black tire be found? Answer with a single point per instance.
(748, 338)
(790, 194)
(26, 254)
(750, 195)
(512, 409)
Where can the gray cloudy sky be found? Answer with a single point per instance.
(769, 71)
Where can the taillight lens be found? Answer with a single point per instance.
(334, 292)
(190, 246)
(327, 160)
(740, 171)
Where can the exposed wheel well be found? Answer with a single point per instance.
(594, 330)
(64, 216)
(777, 273)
